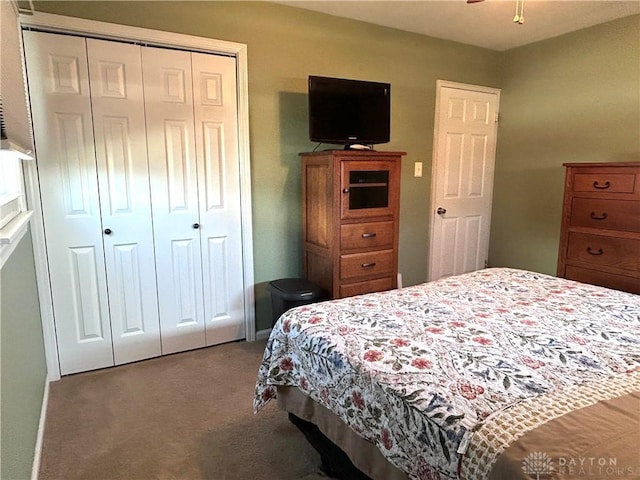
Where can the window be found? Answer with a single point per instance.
(15, 134)
(13, 216)
(10, 188)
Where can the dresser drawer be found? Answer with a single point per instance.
(366, 235)
(366, 264)
(604, 182)
(359, 288)
(609, 280)
(602, 250)
(623, 215)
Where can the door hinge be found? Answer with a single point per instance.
(497, 117)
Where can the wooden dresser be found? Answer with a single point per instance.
(600, 233)
(351, 204)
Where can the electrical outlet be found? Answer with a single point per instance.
(417, 172)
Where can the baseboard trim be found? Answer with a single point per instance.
(35, 469)
(263, 334)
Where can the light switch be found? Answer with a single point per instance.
(417, 172)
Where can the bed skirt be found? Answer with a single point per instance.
(363, 454)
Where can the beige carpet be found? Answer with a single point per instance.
(183, 416)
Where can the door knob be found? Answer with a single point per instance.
(196, 225)
(107, 231)
(441, 211)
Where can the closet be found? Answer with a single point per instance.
(137, 163)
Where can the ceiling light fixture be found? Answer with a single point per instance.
(518, 17)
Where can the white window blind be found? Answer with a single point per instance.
(13, 92)
(17, 125)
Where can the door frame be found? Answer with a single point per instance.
(108, 31)
(440, 84)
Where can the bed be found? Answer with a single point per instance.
(495, 374)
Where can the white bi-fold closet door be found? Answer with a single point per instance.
(137, 164)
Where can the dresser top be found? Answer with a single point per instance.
(352, 153)
(603, 164)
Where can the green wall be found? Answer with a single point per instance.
(285, 45)
(574, 98)
(23, 368)
(571, 98)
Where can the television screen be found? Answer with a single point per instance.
(344, 112)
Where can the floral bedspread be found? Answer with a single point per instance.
(413, 370)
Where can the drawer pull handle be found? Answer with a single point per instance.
(368, 235)
(368, 265)
(590, 251)
(604, 186)
(598, 217)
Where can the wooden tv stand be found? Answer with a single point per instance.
(351, 206)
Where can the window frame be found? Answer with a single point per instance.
(14, 216)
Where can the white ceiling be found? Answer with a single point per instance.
(487, 24)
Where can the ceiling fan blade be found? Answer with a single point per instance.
(474, 1)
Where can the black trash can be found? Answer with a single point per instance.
(287, 293)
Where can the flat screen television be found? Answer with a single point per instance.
(346, 112)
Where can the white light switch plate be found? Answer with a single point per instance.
(417, 172)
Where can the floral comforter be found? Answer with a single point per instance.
(416, 370)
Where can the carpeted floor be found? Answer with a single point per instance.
(183, 416)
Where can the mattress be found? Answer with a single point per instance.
(500, 373)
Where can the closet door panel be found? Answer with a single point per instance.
(115, 73)
(63, 129)
(174, 173)
(183, 256)
(215, 109)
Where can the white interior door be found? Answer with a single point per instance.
(173, 167)
(215, 106)
(62, 122)
(462, 180)
(115, 73)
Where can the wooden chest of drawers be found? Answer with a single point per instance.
(600, 232)
(351, 202)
